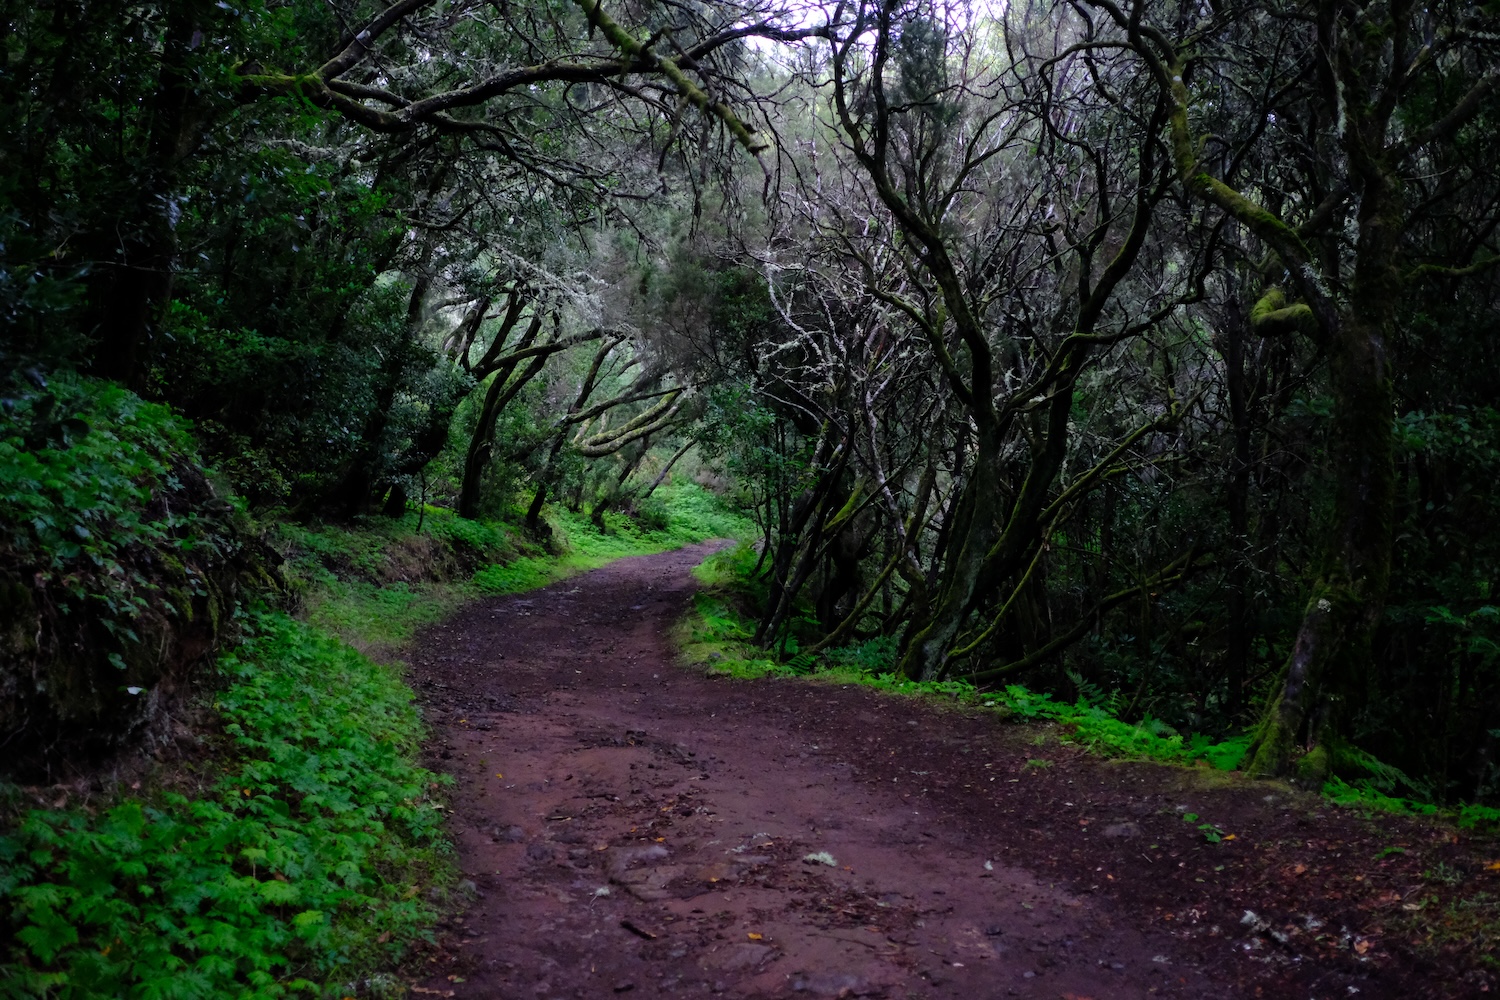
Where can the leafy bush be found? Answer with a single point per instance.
(651, 514)
(874, 656)
(303, 864)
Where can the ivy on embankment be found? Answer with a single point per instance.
(305, 863)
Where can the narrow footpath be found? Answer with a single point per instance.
(634, 827)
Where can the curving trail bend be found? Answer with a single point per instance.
(635, 827)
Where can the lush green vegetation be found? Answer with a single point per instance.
(375, 583)
(972, 313)
(687, 514)
(307, 852)
(118, 562)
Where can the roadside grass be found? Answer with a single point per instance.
(305, 854)
(717, 634)
(379, 620)
(687, 514)
(376, 584)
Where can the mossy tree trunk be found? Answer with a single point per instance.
(1360, 86)
(1323, 673)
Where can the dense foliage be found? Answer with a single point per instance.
(120, 567)
(271, 880)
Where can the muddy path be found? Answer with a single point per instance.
(635, 827)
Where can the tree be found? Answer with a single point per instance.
(1365, 102)
(1013, 275)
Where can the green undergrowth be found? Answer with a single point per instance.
(305, 859)
(119, 565)
(718, 634)
(374, 583)
(685, 514)
(306, 851)
(1374, 795)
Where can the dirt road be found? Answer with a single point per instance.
(635, 827)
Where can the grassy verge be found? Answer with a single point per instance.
(689, 514)
(718, 633)
(376, 584)
(305, 852)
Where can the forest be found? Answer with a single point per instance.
(1135, 353)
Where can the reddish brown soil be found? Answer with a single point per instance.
(635, 827)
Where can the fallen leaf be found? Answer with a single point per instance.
(1298, 869)
(754, 936)
(1493, 866)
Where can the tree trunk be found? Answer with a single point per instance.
(1333, 642)
(502, 390)
(1237, 502)
(988, 555)
(974, 536)
(135, 282)
(353, 493)
(661, 476)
